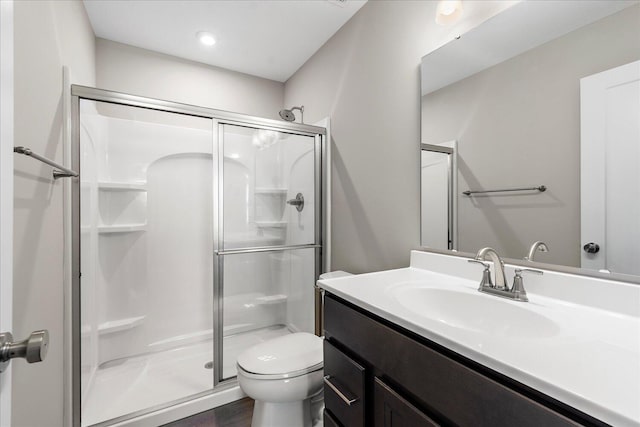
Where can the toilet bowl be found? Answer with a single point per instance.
(283, 376)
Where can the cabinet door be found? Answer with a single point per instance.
(329, 421)
(343, 387)
(392, 410)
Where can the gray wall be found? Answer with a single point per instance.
(367, 79)
(138, 71)
(518, 124)
(48, 35)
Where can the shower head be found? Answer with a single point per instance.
(287, 115)
(290, 117)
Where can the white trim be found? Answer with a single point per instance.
(454, 189)
(6, 194)
(67, 235)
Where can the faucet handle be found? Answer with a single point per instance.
(517, 289)
(477, 261)
(519, 271)
(486, 274)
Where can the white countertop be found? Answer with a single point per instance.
(585, 353)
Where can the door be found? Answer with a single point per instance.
(268, 236)
(610, 170)
(146, 239)
(6, 193)
(435, 199)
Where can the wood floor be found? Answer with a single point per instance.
(236, 414)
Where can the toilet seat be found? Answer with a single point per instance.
(288, 356)
(286, 375)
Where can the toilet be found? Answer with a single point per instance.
(282, 375)
(285, 378)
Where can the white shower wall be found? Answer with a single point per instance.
(146, 230)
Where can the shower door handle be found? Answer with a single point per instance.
(33, 349)
(298, 202)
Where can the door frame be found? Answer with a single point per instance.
(6, 194)
(451, 149)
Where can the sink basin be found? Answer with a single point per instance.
(475, 312)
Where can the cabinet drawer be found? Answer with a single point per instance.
(392, 410)
(328, 419)
(445, 388)
(343, 387)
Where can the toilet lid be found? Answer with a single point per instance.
(286, 354)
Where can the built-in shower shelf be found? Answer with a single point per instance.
(271, 190)
(119, 325)
(271, 224)
(122, 186)
(271, 299)
(121, 228)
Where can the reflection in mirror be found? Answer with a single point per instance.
(529, 95)
(437, 187)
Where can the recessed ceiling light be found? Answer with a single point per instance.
(448, 11)
(206, 38)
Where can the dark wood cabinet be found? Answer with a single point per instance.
(329, 421)
(400, 379)
(392, 410)
(344, 380)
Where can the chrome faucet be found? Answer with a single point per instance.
(517, 289)
(538, 246)
(501, 289)
(498, 266)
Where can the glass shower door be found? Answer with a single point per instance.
(146, 233)
(269, 236)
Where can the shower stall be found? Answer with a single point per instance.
(197, 233)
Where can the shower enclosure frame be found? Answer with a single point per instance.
(218, 118)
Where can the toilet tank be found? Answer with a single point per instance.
(319, 302)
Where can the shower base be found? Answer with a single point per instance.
(146, 381)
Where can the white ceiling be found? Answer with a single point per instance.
(265, 38)
(523, 26)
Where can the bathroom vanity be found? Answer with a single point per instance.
(394, 374)
(416, 347)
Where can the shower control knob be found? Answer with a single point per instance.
(298, 202)
(33, 349)
(591, 248)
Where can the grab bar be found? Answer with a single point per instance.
(540, 188)
(58, 172)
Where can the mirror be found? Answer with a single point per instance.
(528, 96)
